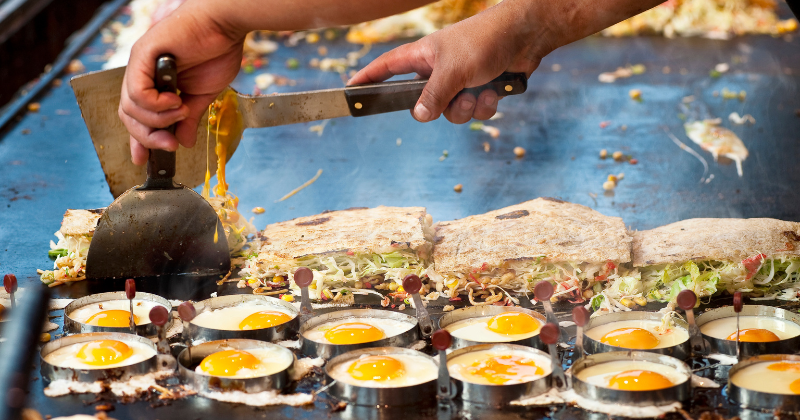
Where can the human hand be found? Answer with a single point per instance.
(208, 57)
(467, 54)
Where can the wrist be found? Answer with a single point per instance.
(221, 17)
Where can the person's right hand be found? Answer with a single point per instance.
(208, 56)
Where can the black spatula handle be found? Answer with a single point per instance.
(380, 98)
(161, 164)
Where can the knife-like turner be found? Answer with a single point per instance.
(98, 96)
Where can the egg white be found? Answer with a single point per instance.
(459, 365)
(141, 308)
(722, 328)
(229, 318)
(390, 327)
(272, 360)
(417, 370)
(477, 329)
(757, 377)
(65, 357)
(600, 375)
(671, 337)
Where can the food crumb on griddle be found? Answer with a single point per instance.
(458, 188)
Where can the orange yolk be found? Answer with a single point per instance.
(754, 335)
(112, 318)
(228, 362)
(376, 368)
(785, 367)
(263, 319)
(513, 323)
(353, 333)
(788, 367)
(631, 338)
(639, 380)
(104, 352)
(501, 369)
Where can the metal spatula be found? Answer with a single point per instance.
(161, 228)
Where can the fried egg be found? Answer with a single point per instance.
(100, 354)
(247, 316)
(499, 367)
(501, 328)
(771, 377)
(356, 330)
(245, 363)
(114, 313)
(639, 334)
(386, 371)
(753, 328)
(632, 375)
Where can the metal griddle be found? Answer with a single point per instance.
(53, 167)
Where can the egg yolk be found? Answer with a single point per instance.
(112, 318)
(639, 380)
(353, 333)
(228, 362)
(501, 369)
(104, 352)
(513, 323)
(785, 367)
(263, 319)
(754, 335)
(376, 368)
(631, 338)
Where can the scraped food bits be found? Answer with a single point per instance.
(458, 188)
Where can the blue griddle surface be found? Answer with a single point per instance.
(48, 163)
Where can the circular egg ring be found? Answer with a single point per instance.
(500, 395)
(452, 317)
(329, 350)
(680, 351)
(277, 332)
(423, 393)
(723, 346)
(677, 393)
(206, 383)
(758, 400)
(52, 372)
(73, 326)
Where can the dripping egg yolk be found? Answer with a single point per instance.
(631, 338)
(376, 368)
(228, 362)
(639, 380)
(754, 335)
(501, 369)
(513, 323)
(353, 333)
(263, 319)
(112, 318)
(104, 352)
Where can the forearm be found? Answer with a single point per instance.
(570, 20)
(241, 16)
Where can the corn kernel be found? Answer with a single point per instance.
(519, 152)
(287, 297)
(635, 94)
(258, 210)
(400, 289)
(640, 301)
(609, 185)
(327, 294)
(278, 279)
(617, 155)
(393, 287)
(45, 337)
(603, 154)
(620, 176)
(312, 38)
(612, 178)
(626, 302)
(458, 188)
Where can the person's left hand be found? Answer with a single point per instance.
(467, 54)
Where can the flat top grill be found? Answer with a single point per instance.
(48, 165)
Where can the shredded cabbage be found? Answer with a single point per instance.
(335, 271)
